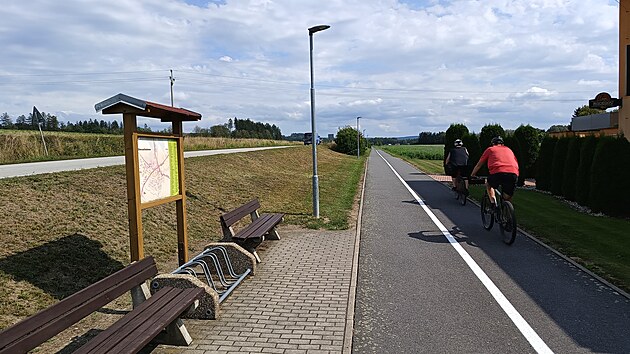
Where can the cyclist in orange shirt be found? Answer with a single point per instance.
(503, 168)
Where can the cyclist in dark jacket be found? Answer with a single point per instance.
(457, 160)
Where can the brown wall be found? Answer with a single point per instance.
(624, 42)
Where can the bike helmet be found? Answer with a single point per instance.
(458, 143)
(497, 140)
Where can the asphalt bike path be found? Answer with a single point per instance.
(431, 279)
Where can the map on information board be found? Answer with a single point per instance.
(157, 164)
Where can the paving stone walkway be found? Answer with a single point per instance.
(296, 303)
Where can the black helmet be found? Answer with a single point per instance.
(458, 142)
(497, 140)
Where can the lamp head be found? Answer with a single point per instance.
(317, 29)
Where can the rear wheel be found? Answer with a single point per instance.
(508, 224)
(487, 215)
(461, 190)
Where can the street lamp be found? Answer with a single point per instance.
(313, 130)
(358, 138)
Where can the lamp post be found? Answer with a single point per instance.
(358, 139)
(313, 130)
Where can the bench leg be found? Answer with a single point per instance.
(139, 294)
(175, 334)
(256, 255)
(273, 234)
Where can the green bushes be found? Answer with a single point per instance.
(570, 168)
(583, 175)
(545, 163)
(592, 171)
(346, 141)
(528, 139)
(609, 173)
(471, 142)
(557, 167)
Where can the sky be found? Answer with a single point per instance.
(403, 66)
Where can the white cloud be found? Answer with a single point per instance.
(411, 66)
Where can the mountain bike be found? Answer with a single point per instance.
(503, 215)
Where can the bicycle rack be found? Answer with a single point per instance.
(208, 266)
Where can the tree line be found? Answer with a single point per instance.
(241, 128)
(50, 122)
(237, 128)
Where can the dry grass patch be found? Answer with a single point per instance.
(63, 231)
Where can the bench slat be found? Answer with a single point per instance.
(180, 304)
(134, 331)
(42, 326)
(260, 226)
(232, 217)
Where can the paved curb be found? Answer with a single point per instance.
(556, 252)
(352, 294)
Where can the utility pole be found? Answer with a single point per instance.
(172, 82)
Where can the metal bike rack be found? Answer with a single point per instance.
(208, 267)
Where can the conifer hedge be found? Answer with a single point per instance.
(544, 163)
(609, 191)
(529, 141)
(569, 182)
(583, 175)
(557, 167)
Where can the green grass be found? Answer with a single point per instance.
(427, 158)
(601, 244)
(416, 152)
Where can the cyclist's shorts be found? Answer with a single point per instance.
(455, 170)
(507, 181)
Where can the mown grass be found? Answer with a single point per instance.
(17, 146)
(601, 244)
(416, 152)
(427, 158)
(63, 231)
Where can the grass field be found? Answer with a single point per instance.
(17, 146)
(419, 152)
(63, 231)
(427, 158)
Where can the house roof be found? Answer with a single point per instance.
(122, 103)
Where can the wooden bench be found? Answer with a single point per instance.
(129, 334)
(252, 235)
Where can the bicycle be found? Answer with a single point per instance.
(461, 191)
(503, 215)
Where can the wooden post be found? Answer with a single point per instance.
(133, 187)
(180, 205)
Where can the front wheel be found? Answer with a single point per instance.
(487, 215)
(508, 224)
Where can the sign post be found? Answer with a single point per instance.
(154, 164)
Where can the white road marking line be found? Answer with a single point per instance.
(528, 332)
